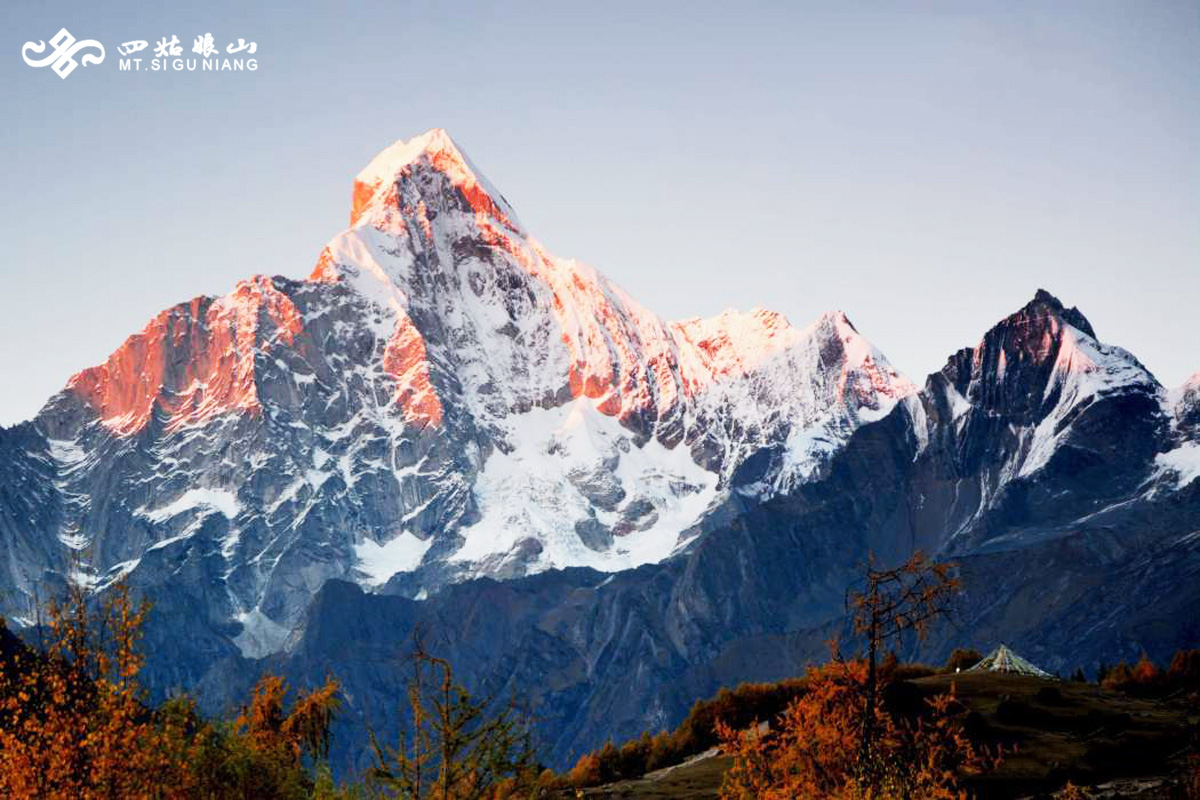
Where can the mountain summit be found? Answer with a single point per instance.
(1024, 363)
(441, 399)
(441, 248)
(376, 187)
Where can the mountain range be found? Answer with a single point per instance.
(446, 426)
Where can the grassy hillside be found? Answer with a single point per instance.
(1052, 732)
(1060, 731)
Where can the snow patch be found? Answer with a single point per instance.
(118, 572)
(529, 492)
(1183, 463)
(209, 500)
(83, 578)
(382, 561)
(66, 452)
(75, 540)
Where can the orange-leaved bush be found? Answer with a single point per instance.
(813, 750)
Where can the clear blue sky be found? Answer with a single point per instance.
(924, 167)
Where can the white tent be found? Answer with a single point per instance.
(1004, 660)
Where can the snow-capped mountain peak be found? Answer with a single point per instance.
(1031, 394)
(434, 242)
(376, 186)
(1036, 359)
(441, 398)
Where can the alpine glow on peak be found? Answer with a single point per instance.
(441, 399)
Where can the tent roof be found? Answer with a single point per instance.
(1004, 660)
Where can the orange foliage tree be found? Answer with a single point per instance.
(813, 749)
(75, 721)
(1146, 672)
(891, 603)
(72, 717)
(839, 739)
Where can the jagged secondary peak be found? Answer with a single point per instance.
(379, 194)
(1041, 376)
(1023, 363)
(734, 344)
(731, 343)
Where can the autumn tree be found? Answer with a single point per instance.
(840, 739)
(811, 750)
(455, 746)
(1184, 670)
(1146, 673)
(75, 721)
(1119, 677)
(269, 749)
(891, 603)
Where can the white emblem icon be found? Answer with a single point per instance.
(63, 54)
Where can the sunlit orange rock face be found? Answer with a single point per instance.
(447, 160)
(326, 269)
(363, 193)
(192, 362)
(405, 359)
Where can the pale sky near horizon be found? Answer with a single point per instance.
(923, 166)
